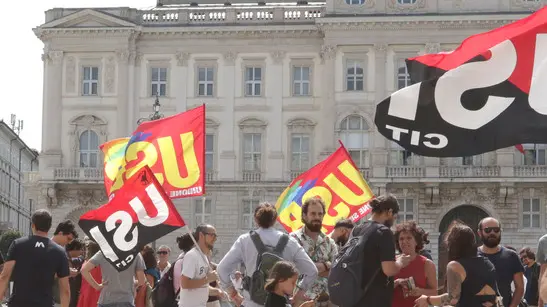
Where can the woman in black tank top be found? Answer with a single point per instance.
(471, 279)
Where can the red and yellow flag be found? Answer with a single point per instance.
(173, 148)
(337, 181)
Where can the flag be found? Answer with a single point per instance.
(337, 181)
(485, 95)
(173, 148)
(139, 213)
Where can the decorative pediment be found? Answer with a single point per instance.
(252, 122)
(88, 18)
(300, 122)
(211, 123)
(88, 121)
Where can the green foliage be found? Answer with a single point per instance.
(6, 239)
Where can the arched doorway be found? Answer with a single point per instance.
(468, 214)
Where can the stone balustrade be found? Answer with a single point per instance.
(78, 174)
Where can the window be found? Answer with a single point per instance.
(399, 155)
(355, 1)
(253, 81)
(534, 154)
(530, 213)
(209, 152)
(206, 81)
(301, 81)
(249, 206)
(90, 81)
(354, 75)
(89, 149)
(403, 77)
(467, 160)
(406, 1)
(300, 152)
(203, 211)
(252, 152)
(406, 212)
(159, 81)
(354, 133)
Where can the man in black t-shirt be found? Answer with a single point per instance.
(507, 263)
(380, 252)
(33, 262)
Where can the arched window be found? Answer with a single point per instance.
(354, 133)
(89, 149)
(355, 1)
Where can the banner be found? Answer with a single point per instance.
(337, 181)
(487, 94)
(139, 213)
(173, 148)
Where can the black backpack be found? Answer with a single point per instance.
(266, 259)
(345, 280)
(163, 294)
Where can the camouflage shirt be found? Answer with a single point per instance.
(322, 250)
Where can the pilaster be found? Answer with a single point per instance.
(123, 94)
(181, 75)
(328, 107)
(52, 115)
(227, 159)
(275, 167)
(506, 160)
(380, 54)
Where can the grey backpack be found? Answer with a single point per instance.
(265, 261)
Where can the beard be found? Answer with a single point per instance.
(389, 223)
(491, 241)
(342, 240)
(314, 226)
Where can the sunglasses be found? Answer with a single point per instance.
(214, 235)
(490, 229)
(162, 253)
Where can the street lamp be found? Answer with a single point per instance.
(154, 116)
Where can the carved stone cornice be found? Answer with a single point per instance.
(396, 6)
(431, 48)
(230, 58)
(328, 52)
(182, 58)
(54, 57)
(380, 48)
(123, 56)
(326, 25)
(278, 56)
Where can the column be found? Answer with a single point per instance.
(506, 160)
(131, 92)
(52, 115)
(226, 142)
(379, 151)
(275, 167)
(328, 108)
(179, 84)
(123, 94)
(135, 89)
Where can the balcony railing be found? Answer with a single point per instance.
(405, 171)
(251, 176)
(530, 171)
(469, 171)
(78, 174)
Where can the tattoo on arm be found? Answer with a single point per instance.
(454, 285)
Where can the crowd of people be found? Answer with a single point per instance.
(280, 269)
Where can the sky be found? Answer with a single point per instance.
(21, 55)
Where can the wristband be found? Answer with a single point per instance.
(428, 301)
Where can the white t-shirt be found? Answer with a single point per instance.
(194, 266)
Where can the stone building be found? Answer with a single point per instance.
(17, 161)
(282, 84)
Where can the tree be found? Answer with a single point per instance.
(6, 239)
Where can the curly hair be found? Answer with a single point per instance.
(420, 236)
(265, 215)
(460, 241)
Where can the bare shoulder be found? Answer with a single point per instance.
(429, 264)
(455, 266)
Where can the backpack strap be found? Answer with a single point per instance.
(257, 242)
(281, 244)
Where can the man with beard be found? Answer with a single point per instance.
(507, 263)
(341, 232)
(379, 256)
(321, 248)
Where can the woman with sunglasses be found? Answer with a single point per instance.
(163, 259)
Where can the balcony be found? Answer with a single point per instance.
(251, 176)
(469, 171)
(405, 171)
(530, 171)
(78, 174)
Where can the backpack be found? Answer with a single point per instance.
(163, 294)
(265, 261)
(345, 281)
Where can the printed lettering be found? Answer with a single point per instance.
(432, 140)
(167, 151)
(159, 204)
(122, 230)
(107, 250)
(538, 90)
(440, 139)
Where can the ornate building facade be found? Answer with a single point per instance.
(282, 84)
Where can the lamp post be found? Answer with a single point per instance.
(154, 116)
